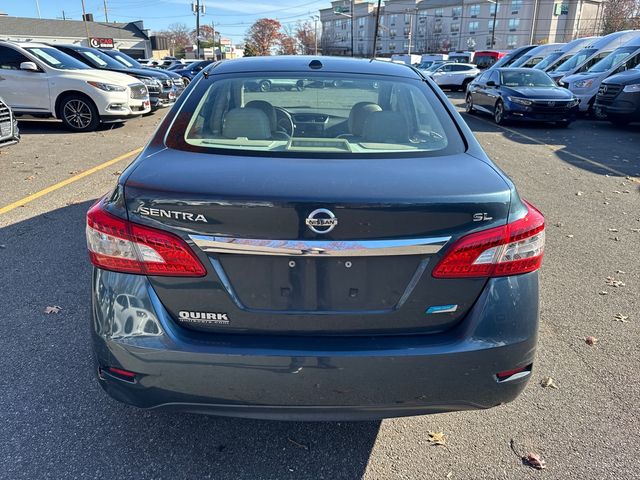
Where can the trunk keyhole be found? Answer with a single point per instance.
(347, 264)
(292, 264)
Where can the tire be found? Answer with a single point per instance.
(78, 113)
(186, 81)
(498, 113)
(468, 105)
(465, 84)
(299, 85)
(265, 86)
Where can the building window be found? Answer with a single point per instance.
(439, 12)
(362, 21)
(474, 10)
(455, 27)
(456, 12)
(490, 24)
(516, 5)
(422, 17)
(338, 24)
(361, 35)
(406, 45)
(392, 33)
(437, 28)
(514, 23)
(392, 45)
(493, 8)
(393, 19)
(407, 31)
(561, 9)
(407, 18)
(473, 26)
(360, 48)
(512, 41)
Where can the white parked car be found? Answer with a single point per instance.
(455, 76)
(36, 79)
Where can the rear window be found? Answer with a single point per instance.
(337, 115)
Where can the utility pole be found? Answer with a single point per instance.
(375, 32)
(198, 8)
(106, 16)
(415, 13)
(63, 16)
(352, 20)
(534, 21)
(86, 26)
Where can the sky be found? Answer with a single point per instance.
(231, 17)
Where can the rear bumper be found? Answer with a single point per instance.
(314, 378)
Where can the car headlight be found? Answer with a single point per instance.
(584, 83)
(573, 103)
(520, 101)
(108, 87)
(635, 88)
(149, 81)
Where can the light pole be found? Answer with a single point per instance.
(315, 34)
(493, 28)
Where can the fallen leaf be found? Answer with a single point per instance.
(621, 272)
(614, 283)
(579, 193)
(637, 230)
(534, 460)
(612, 229)
(449, 475)
(603, 292)
(591, 340)
(74, 172)
(297, 444)
(548, 382)
(436, 438)
(618, 317)
(52, 309)
(569, 236)
(616, 239)
(559, 224)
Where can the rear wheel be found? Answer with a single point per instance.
(78, 113)
(466, 83)
(185, 81)
(468, 106)
(498, 113)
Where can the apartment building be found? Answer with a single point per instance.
(414, 26)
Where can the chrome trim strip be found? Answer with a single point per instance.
(320, 248)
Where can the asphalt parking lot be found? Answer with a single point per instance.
(57, 423)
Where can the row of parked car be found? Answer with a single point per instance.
(79, 85)
(602, 75)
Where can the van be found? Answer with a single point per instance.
(585, 85)
(591, 54)
(564, 52)
(535, 55)
(618, 98)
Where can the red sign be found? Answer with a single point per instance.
(101, 42)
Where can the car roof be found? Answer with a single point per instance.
(517, 69)
(301, 63)
(460, 63)
(25, 44)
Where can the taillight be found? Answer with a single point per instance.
(122, 246)
(507, 250)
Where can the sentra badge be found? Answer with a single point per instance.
(162, 213)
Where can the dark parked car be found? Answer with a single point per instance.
(511, 57)
(131, 62)
(618, 98)
(9, 133)
(159, 96)
(187, 72)
(521, 94)
(314, 255)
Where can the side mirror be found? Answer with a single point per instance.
(491, 83)
(29, 67)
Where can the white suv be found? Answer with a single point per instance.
(36, 79)
(455, 76)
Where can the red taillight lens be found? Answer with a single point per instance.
(508, 250)
(122, 246)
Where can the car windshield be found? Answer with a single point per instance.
(99, 59)
(56, 59)
(575, 61)
(547, 61)
(526, 78)
(337, 115)
(611, 60)
(126, 60)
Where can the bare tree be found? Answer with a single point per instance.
(306, 35)
(263, 35)
(179, 36)
(620, 15)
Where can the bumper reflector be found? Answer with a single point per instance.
(121, 374)
(514, 373)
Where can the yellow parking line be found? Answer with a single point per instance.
(68, 181)
(574, 155)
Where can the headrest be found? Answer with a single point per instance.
(358, 115)
(268, 109)
(251, 123)
(386, 127)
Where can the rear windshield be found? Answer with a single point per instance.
(338, 115)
